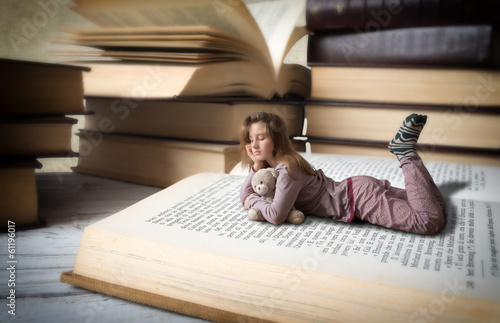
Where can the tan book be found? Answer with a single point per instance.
(18, 193)
(193, 48)
(427, 152)
(151, 160)
(446, 126)
(191, 248)
(35, 88)
(463, 88)
(37, 136)
(156, 80)
(202, 119)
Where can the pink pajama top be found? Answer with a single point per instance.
(312, 194)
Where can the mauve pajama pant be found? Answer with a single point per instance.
(418, 208)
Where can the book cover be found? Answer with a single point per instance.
(461, 88)
(37, 88)
(18, 192)
(449, 125)
(469, 45)
(201, 118)
(37, 136)
(376, 148)
(370, 14)
(151, 160)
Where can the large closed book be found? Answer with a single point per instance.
(37, 136)
(160, 80)
(18, 193)
(469, 45)
(448, 126)
(463, 88)
(193, 48)
(35, 88)
(191, 248)
(367, 15)
(151, 160)
(377, 148)
(202, 119)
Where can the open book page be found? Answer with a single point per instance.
(231, 16)
(277, 20)
(200, 40)
(204, 213)
(474, 182)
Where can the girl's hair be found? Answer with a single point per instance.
(283, 151)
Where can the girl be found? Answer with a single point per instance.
(418, 208)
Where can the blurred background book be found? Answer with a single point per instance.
(28, 31)
(373, 62)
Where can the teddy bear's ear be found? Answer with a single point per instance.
(273, 172)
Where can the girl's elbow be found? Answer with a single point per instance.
(276, 220)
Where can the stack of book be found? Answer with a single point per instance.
(170, 84)
(34, 101)
(374, 62)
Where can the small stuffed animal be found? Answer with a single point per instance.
(264, 184)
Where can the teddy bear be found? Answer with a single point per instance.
(264, 184)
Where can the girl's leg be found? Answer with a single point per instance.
(379, 203)
(425, 173)
(422, 193)
(401, 193)
(418, 208)
(404, 144)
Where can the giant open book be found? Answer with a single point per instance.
(193, 47)
(190, 248)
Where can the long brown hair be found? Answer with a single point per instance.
(283, 151)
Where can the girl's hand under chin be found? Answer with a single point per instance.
(257, 164)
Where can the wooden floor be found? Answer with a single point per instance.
(68, 203)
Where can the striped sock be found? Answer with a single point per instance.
(405, 142)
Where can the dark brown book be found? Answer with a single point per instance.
(376, 14)
(469, 45)
(18, 193)
(35, 88)
(37, 136)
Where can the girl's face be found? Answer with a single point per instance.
(260, 142)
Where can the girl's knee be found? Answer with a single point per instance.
(434, 225)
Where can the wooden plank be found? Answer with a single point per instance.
(91, 307)
(69, 202)
(70, 194)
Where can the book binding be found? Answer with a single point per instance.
(155, 300)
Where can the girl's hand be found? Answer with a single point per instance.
(256, 163)
(246, 203)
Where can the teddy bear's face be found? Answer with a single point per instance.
(264, 181)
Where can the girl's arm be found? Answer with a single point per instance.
(286, 193)
(246, 188)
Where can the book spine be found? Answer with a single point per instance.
(424, 147)
(342, 14)
(469, 45)
(494, 110)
